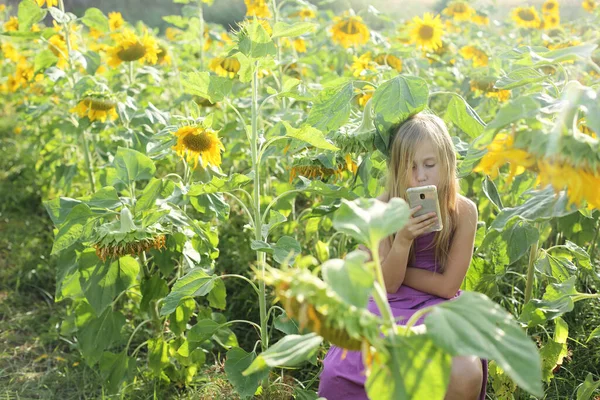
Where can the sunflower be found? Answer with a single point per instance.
(362, 64)
(480, 19)
(2, 7)
(195, 141)
(299, 45)
(12, 24)
(10, 53)
(305, 14)
(115, 21)
(551, 21)
(58, 46)
(500, 94)
(97, 107)
(312, 168)
(131, 48)
(589, 5)
(526, 17)
(257, 8)
(501, 152)
(364, 94)
(480, 59)
(550, 7)
(427, 32)
(96, 34)
(390, 60)
(349, 30)
(459, 11)
(581, 184)
(225, 66)
(49, 3)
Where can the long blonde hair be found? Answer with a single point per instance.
(418, 128)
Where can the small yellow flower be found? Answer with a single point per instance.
(459, 11)
(480, 19)
(2, 7)
(550, 7)
(195, 141)
(173, 34)
(426, 32)
(362, 64)
(96, 34)
(10, 53)
(480, 59)
(526, 17)
(12, 24)
(501, 95)
(115, 21)
(589, 5)
(257, 8)
(225, 66)
(96, 108)
(49, 3)
(305, 14)
(389, 60)
(349, 30)
(551, 21)
(299, 45)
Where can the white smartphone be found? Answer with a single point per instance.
(427, 198)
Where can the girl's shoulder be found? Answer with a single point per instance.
(383, 197)
(466, 210)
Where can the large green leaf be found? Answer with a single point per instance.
(154, 189)
(524, 107)
(332, 107)
(310, 135)
(116, 368)
(132, 166)
(195, 283)
(106, 197)
(44, 59)
(94, 18)
(461, 114)
(158, 356)
(29, 13)
(519, 77)
(519, 237)
(255, 42)
(213, 88)
(237, 361)
(281, 29)
(74, 227)
(555, 350)
(102, 282)
(289, 351)
(558, 299)
(371, 220)
(586, 390)
(472, 324)
(219, 185)
(99, 333)
(349, 278)
(415, 368)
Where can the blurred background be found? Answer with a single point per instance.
(228, 12)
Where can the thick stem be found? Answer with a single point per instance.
(201, 17)
(88, 162)
(380, 295)
(530, 271)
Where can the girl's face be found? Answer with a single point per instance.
(425, 168)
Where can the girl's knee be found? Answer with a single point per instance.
(465, 378)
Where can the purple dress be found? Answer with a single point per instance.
(345, 379)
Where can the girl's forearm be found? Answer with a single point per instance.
(394, 265)
(427, 281)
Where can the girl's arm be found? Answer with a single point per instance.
(446, 284)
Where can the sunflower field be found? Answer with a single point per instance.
(181, 207)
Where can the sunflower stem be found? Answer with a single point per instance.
(65, 26)
(88, 162)
(380, 295)
(130, 73)
(278, 43)
(201, 18)
(533, 251)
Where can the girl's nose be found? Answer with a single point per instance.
(421, 175)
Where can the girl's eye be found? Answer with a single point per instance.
(430, 166)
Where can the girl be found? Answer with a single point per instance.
(419, 269)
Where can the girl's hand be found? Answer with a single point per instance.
(416, 226)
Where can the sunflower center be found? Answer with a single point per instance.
(426, 32)
(460, 8)
(197, 142)
(99, 104)
(349, 28)
(230, 65)
(132, 53)
(549, 6)
(526, 15)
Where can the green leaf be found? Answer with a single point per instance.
(326, 190)
(43, 60)
(586, 390)
(285, 324)
(116, 368)
(491, 192)
(102, 282)
(595, 334)
(213, 88)
(237, 361)
(472, 324)
(99, 333)
(219, 185)
(414, 369)
(195, 283)
(331, 108)
(179, 319)
(73, 228)
(461, 114)
(524, 107)
(369, 220)
(290, 351)
(148, 197)
(59, 209)
(397, 99)
(29, 13)
(254, 41)
(152, 288)
(106, 197)
(558, 267)
(158, 356)
(217, 297)
(94, 18)
(286, 249)
(132, 166)
(281, 29)
(349, 278)
(275, 218)
(93, 62)
(177, 20)
(558, 299)
(203, 330)
(519, 77)
(583, 51)
(519, 237)
(555, 350)
(310, 135)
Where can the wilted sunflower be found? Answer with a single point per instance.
(459, 11)
(349, 30)
(550, 7)
(115, 21)
(589, 5)
(257, 8)
(526, 17)
(225, 66)
(480, 59)
(195, 141)
(97, 107)
(304, 13)
(389, 60)
(426, 32)
(312, 168)
(131, 48)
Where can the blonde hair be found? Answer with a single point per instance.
(417, 129)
